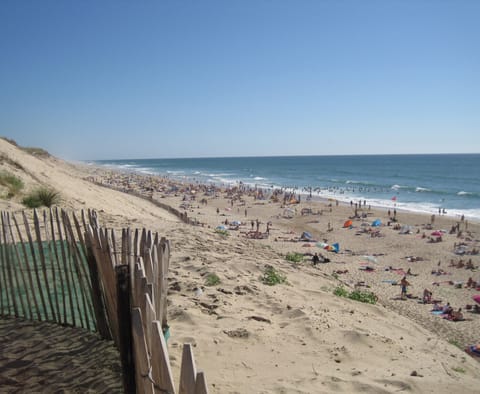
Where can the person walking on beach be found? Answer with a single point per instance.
(404, 283)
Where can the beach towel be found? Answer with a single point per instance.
(393, 282)
(474, 350)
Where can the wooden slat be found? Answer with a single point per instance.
(159, 304)
(149, 240)
(124, 260)
(143, 238)
(125, 327)
(76, 289)
(161, 370)
(99, 307)
(15, 266)
(21, 268)
(149, 318)
(50, 258)
(43, 263)
(63, 313)
(7, 270)
(188, 371)
(79, 267)
(142, 365)
(65, 268)
(30, 277)
(201, 386)
(35, 265)
(137, 244)
(79, 234)
(148, 263)
(105, 266)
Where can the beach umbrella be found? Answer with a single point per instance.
(306, 235)
(348, 223)
(376, 223)
(236, 222)
(476, 298)
(437, 233)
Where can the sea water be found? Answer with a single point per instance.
(418, 183)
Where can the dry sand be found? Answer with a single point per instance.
(295, 337)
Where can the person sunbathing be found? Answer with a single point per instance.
(409, 272)
(456, 315)
(427, 296)
(447, 309)
(470, 283)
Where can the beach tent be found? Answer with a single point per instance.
(376, 223)
(347, 224)
(405, 229)
(221, 227)
(288, 213)
(306, 235)
(476, 298)
(236, 222)
(331, 248)
(437, 233)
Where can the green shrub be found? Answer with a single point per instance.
(212, 280)
(39, 152)
(225, 233)
(272, 277)
(367, 297)
(340, 291)
(42, 197)
(294, 257)
(12, 183)
(10, 141)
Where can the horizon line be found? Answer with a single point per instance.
(287, 155)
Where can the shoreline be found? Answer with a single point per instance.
(342, 194)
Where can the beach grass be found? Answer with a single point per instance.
(13, 184)
(41, 197)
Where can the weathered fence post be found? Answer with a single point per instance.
(122, 276)
(97, 295)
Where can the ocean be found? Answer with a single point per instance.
(418, 183)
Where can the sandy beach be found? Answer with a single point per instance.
(297, 336)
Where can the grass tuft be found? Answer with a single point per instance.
(294, 257)
(12, 183)
(212, 280)
(272, 277)
(42, 197)
(367, 297)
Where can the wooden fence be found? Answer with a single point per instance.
(73, 272)
(44, 273)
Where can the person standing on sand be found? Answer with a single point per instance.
(404, 283)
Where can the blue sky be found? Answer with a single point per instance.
(147, 79)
